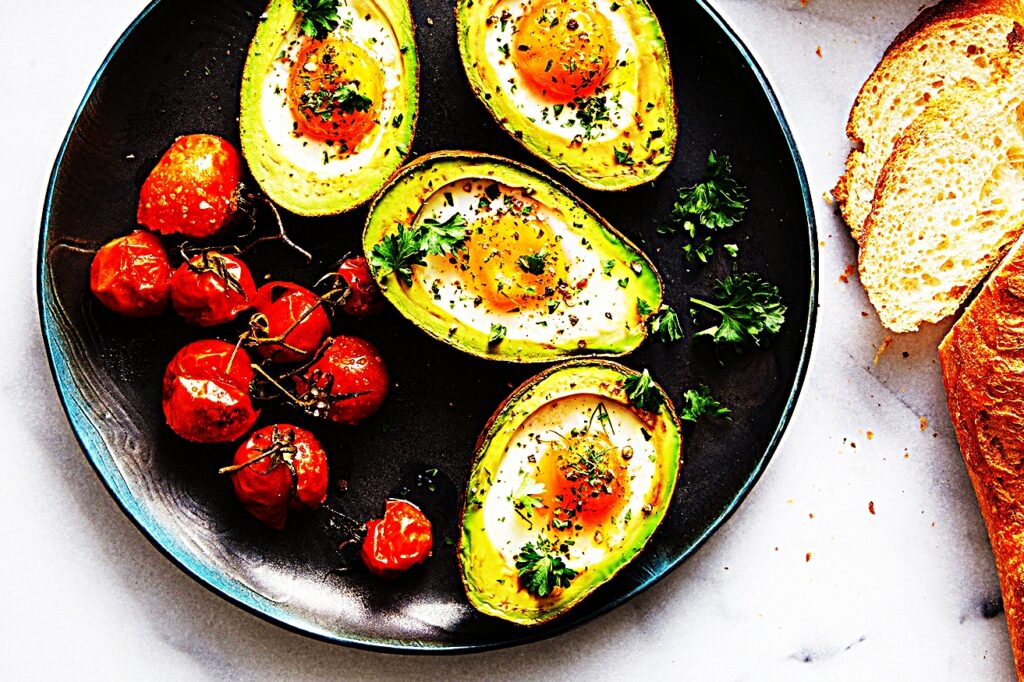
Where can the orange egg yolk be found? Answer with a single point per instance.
(564, 48)
(335, 90)
(515, 263)
(584, 480)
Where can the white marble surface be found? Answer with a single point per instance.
(803, 583)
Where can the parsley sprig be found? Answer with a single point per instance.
(699, 403)
(751, 309)
(717, 202)
(542, 568)
(643, 392)
(664, 325)
(401, 250)
(319, 17)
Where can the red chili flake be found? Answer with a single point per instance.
(818, 51)
(807, 558)
(871, 507)
(845, 277)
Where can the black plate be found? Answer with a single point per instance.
(177, 70)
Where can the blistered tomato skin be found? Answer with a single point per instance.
(277, 469)
(206, 392)
(193, 190)
(131, 275)
(293, 314)
(364, 297)
(212, 288)
(399, 541)
(349, 378)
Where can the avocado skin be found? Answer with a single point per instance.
(300, 191)
(484, 577)
(399, 202)
(592, 163)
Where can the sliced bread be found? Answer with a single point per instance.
(983, 370)
(950, 199)
(947, 42)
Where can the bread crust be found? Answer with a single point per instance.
(983, 372)
(928, 19)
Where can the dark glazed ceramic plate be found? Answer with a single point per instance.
(177, 70)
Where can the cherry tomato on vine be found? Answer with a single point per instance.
(399, 541)
(212, 288)
(278, 468)
(206, 392)
(289, 322)
(347, 383)
(364, 296)
(131, 275)
(194, 188)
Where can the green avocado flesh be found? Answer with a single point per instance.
(540, 276)
(313, 177)
(569, 466)
(619, 135)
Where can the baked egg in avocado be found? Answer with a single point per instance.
(584, 84)
(501, 262)
(327, 119)
(569, 482)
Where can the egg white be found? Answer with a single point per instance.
(453, 292)
(621, 85)
(374, 35)
(508, 531)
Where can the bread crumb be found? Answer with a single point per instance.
(826, 195)
(870, 435)
(807, 557)
(845, 277)
(871, 507)
(924, 423)
(818, 51)
(886, 342)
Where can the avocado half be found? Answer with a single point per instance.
(646, 136)
(306, 183)
(494, 527)
(626, 285)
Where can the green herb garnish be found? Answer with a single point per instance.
(533, 263)
(664, 325)
(448, 237)
(542, 569)
(497, 334)
(319, 17)
(699, 403)
(643, 393)
(397, 253)
(751, 309)
(717, 202)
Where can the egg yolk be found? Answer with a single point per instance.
(564, 48)
(335, 90)
(584, 480)
(515, 263)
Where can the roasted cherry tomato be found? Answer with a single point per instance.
(131, 275)
(278, 468)
(347, 383)
(289, 324)
(206, 392)
(212, 288)
(364, 297)
(397, 542)
(194, 188)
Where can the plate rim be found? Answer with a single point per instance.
(234, 592)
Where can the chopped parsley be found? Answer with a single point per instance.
(449, 237)
(497, 334)
(319, 17)
(542, 568)
(397, 253)
(717, 202)
(750, 307)
(643, 392)
(533, 263)
(665, 325)
(623, 157)
(699, 403)
(643, 307)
